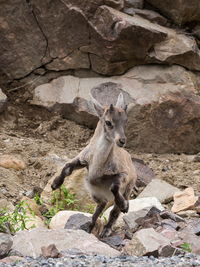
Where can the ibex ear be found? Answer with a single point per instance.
(98, 107)
(120, 102)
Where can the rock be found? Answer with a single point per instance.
(134, 4)
(196, 158)
(144, 173)
(131, 219)
(178, 49)
(150, 15)
(160, 189)
(193, 226)
(166, 111)
(115, 241)
(179, 11)
(184, 200)
(170, 224)
(60, 219)
(169, 251)
(6, 205)
(82, 222)
(135, 205)
(50, 251)
(76, 185)
(5, 244)
(117, 4)
(191, 240)
(11, 260)
(145, 242)
(31, 206)
(187, 213)
(3, 101)
(33, 221)
(29, 242)
(11, 161)
(169, 215)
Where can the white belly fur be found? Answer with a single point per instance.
(100, 192)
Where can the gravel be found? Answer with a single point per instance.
(97, 261)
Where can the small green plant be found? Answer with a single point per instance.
(16, 220)
(38, 199)
(186, 247)
(61, 200)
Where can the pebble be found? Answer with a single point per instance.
(102, 261)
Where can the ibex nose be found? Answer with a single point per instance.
(122, 141)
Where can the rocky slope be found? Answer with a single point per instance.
(152, 46)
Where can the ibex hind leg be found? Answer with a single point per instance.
(66, 171)
(100, 207)
(114, 214)
(120, 200)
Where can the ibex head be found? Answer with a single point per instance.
(113, 119)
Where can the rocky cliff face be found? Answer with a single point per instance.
(158, 40)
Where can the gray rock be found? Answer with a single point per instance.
(3, 101)
(160, 189)
(145, 242)
(134, 206)
(179, 11)
(80, 221)
(29, 243)
(5, 244)
(150, 15)
(144, 173)
(162, 111)
(131, 217)
(134, 3)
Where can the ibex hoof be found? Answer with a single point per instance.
(56, 183)
(106, 232)
(125, 207)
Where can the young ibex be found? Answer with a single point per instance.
(111, 173)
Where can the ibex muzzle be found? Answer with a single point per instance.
(111, 174)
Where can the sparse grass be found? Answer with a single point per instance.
(186, 247)
(14, 221)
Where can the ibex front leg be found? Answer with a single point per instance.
(120, 201)
(66, 171)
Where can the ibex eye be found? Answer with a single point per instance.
(108, 123)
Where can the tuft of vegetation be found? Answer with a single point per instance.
(12, 222)
(186, 247)
(61, 200)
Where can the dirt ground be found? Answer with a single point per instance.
(35, 134)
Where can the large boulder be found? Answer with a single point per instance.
(162, 101)
(90, 35)
(179, 11)
(29, 243)
(160, 189)
(145, 242)
(5, 244)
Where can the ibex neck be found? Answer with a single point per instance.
(101, 145)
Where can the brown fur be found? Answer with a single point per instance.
(111, 174)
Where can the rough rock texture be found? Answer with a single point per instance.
(162, 101)
(3, 101)
(29, 243)
(75, 184)
(11, 161)
(145, 242)
(184, 200)
(160, 189)
(60, 219)
(134, 206)
(91, 35)
(5, 244)
(179, 11)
